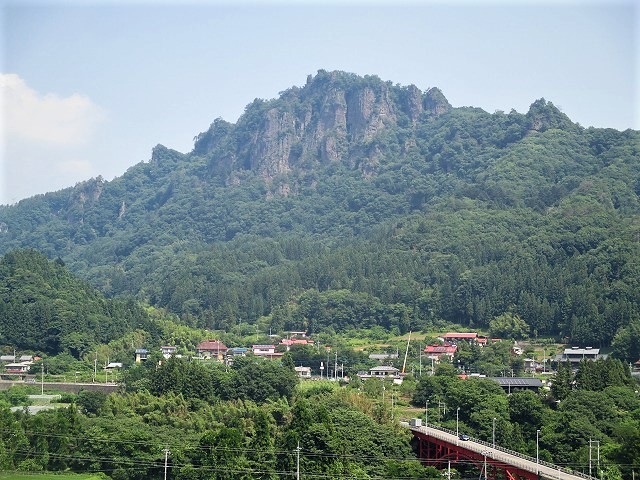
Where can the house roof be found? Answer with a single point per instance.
(295, 341)
(212, 346)
(518, 381)
(262, 347)
(470, 335)
(383, 356)
(581, 351)
(441, 349)
(384, 368)
(142, 350)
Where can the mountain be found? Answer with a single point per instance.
(350, 202)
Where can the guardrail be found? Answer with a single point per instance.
(514, 453)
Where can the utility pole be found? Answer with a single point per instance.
(538, 452)
(166, 456)
(392, 404)
(426, 414)
(485, 464)
(597, 457)
(493, 433)
(42, 378)
(297, 462)
(335, 368)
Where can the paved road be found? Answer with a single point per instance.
(33, 409)
(504, 457)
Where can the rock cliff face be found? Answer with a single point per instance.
(333, 115)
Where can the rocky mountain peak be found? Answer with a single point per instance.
(333, 114)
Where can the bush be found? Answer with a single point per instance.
(67, 398)
(91, 402)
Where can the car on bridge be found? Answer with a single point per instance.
(463, 437)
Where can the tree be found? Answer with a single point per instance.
(91, 401)
(562, 382)
(509, 325)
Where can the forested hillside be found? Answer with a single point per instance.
(352, 202)
(44, 308)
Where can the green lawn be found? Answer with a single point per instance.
(48, 476)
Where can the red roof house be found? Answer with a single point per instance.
(438, 351)
(212, 348)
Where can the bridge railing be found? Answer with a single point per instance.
(517, 454)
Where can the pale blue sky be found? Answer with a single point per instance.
(90, 88)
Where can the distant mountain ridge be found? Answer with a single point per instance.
(349, 163)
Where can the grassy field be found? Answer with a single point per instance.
(48, 476)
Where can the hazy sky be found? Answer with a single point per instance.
(89, 88)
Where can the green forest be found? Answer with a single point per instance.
(350, 208)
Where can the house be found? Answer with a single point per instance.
(530, 365)
(383, 371)
(514, 384)
(266, 351)
(18, 368)
(141, 354)
(238, 351)
(113, 365)
(212, 349)
(295, 341)
(303, 372)
(168, 351)
(575, 355)
(7, 358)
(235, 352)
(297, 333)
(436, 352)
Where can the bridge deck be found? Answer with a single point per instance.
(499, 454)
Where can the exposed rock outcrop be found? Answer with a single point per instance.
(333, 114)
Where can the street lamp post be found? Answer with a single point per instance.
(457, 414)
(493, 433)
(538, 452)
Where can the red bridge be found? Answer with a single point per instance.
(439, 446)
